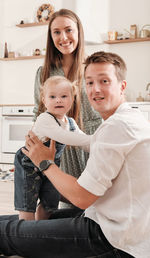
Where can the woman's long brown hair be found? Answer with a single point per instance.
(53, 59)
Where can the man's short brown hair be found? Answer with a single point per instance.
(108, 57)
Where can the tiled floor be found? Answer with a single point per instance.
(7, 198)
(7, 201)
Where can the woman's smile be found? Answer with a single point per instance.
(64, 33)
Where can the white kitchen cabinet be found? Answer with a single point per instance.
(0, 137)
(0, 128)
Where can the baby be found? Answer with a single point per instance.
(57, 95)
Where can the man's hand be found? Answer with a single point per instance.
(36, 151)
(66, 184)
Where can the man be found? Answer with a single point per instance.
(113, 189)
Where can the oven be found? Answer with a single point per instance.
(144, 107)
(16, 122)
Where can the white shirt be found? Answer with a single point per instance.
(118, 170)
(46, 126)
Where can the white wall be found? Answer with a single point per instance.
(94, 17)
(1, 25)
(97, 16)
(137, 55)
(17, 77)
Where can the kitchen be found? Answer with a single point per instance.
(17, 77)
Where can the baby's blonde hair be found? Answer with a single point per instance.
(56, 80)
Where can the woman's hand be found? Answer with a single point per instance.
(36, 151)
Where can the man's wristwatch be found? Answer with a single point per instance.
(45, 164)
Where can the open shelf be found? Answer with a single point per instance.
(32, 24)
(126, 40)
(22, 58)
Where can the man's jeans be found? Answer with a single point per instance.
(59, 237)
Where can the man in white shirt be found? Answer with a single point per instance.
(114, 188)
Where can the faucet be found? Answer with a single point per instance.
(148, 85)
(148, 92)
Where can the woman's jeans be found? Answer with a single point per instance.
(65, 235)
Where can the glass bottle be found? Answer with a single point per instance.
(5, 51)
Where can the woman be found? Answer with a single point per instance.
(65, 56)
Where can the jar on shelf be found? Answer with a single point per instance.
(140, 98)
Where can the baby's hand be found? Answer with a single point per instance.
(35, 149)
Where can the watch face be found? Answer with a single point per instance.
(43, 164)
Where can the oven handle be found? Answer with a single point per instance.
(17, 117)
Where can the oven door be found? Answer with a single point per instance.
(14, 129)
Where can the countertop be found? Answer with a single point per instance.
(15, 105)
(133, 102)
(20, 105)
(140, 103)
